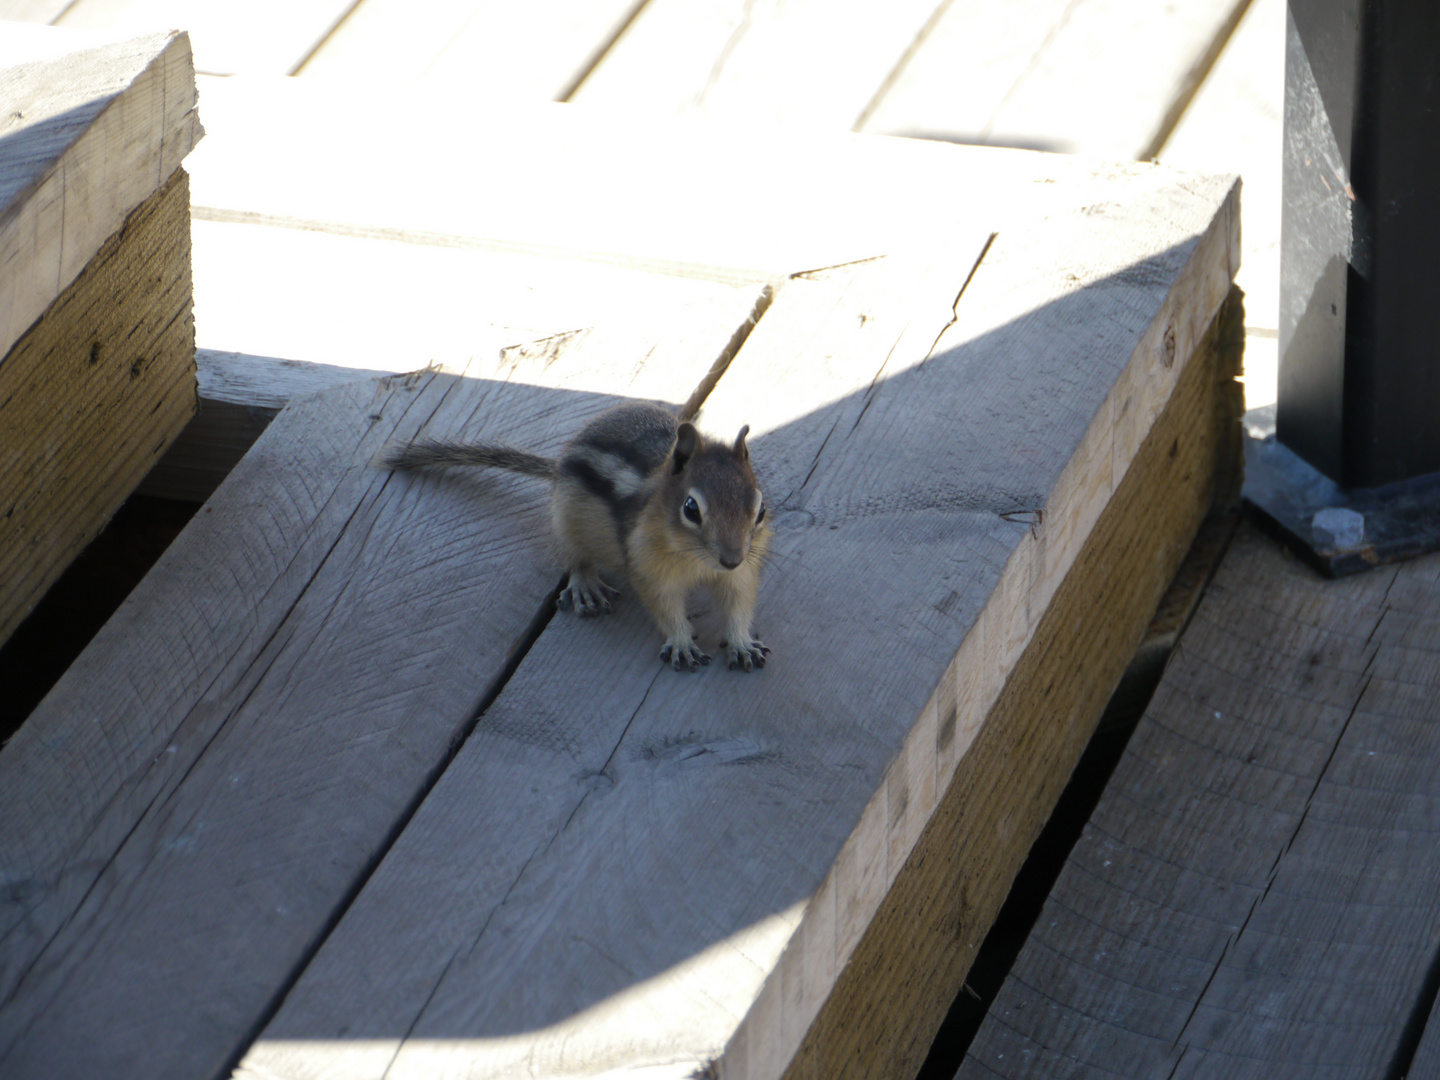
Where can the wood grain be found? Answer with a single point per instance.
(87, 138)
(1255, 894)
(239, 395)
(213, 777)
(92, 395)
(654, 874)
(919, 947)
(261, 37)
(683, 199)
(1248, 81)
(1042, 74)
(31, 11)
(351, 301)
(807, 62)
(474, 49)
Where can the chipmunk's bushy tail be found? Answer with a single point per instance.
(429, 453)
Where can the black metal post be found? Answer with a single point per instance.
(1351, 473)
(1359, 390)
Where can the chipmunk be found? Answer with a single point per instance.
(639, 492)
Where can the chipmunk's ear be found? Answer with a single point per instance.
(686, 440)
(741, 451)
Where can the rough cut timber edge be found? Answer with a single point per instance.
(92, 395)
(87, 139)
(890, 999)
(784, 1033)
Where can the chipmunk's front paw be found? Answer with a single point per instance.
(587, 595)
(748, 656)
(683, 655)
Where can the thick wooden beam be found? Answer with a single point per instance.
(89, 136)
(98, 368)
(887, 1004)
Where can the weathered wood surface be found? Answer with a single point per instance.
(85, 140)
(340, 255)
(688, 200)
(886, 1007)
(539, 50)
(339, 308)
(644, 873)
(1256, 892)
(259, 37)
(1105, 78)
(1236, 124)
(388, 305)
(92, 395)
(238, 397)
(206, 787)
(808, 62)
(32, 11)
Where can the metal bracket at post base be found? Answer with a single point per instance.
(1352, 481)
(1336, 530)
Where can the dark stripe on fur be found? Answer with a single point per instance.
(643, 450)
(591, 479)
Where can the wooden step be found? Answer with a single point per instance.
(97, 365)
(338, 748)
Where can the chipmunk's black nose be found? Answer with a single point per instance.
(728, 565)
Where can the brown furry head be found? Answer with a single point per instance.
(713, 498)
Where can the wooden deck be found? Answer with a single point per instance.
(1199, 86)
(1029, 464)
(1255, 895)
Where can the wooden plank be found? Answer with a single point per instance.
(355, 301)
(336, 220)
(262, 37)
(338, 308)
(475, 49)
(675, 198)
(811, 63)
(1235, 125)
(1255, 894)
(225, 762)
(921, 943)
(32, 11)
(73, 167)
(685, 199)
(1105, 78)
(239, 395)
(666, 876)
(91, 396)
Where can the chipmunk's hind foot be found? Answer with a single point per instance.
(586, 595)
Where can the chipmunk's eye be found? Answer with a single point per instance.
(761, 515)
(691, 510)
